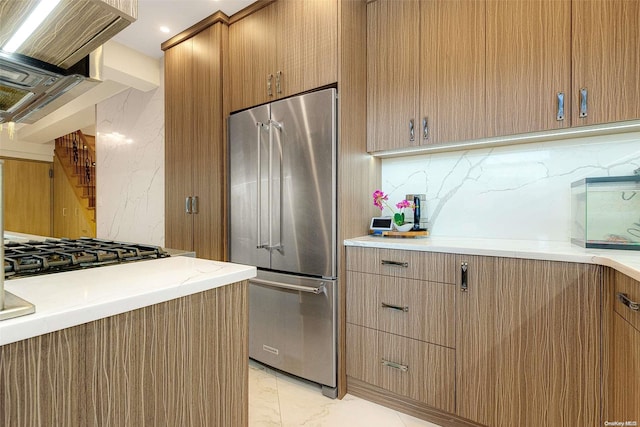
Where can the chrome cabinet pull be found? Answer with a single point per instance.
(412, 135)
(395, 263)
(425, 129)
(404, 309)
(187, 205)
(624, 299)
(194, 205)
(278, 82)
(583, 102)
(269, 89)
(464, 284)
(398, 366)
(560, 115)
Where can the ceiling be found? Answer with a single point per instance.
(145, 36)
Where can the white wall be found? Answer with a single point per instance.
(130, 167)
(517, 192)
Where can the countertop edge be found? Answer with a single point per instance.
(626, 262)
(51, 320)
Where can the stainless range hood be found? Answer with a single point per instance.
(31, 89)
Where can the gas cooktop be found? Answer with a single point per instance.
(31, 258)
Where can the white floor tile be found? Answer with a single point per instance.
(280, 400)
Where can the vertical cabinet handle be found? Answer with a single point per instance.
(464, 284)
(269, 90)
(194, 205)
(412, 133)
(187, 205)
(583, 102)
(624, 299)
(279, 82)
(425, 129)
(394, 365)
(560, 115)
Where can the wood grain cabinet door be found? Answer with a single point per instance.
(528, 65)
(194, 145)
(392, 74)
(178, 144)
(606, 61)
(252, 59)
(452, 71)
(621, 394)
(528, 343)
(306, 45)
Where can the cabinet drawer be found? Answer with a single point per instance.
(630, 288)
(407, 367)
(411, 308)
(434, 266)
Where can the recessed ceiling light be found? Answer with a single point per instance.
(164, 29)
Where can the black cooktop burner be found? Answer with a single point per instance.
(53, 256)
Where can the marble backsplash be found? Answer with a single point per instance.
(130, 172)
(513, 192)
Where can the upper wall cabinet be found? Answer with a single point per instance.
(606, 61)
(285, 48)
(425, 82)
(528, 66)
(392, 74)
(447, 71)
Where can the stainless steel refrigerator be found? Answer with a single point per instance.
(282, 207)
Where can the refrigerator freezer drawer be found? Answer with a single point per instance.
(292, 325)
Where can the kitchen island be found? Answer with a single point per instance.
(156, 342)
(494, 332)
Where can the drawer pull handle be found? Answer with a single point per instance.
(623, 298)
(395, 263)
(395, 307)
(398, 366)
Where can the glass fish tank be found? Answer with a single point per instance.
(606, 212)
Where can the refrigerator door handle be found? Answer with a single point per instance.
(317, 290)
(260, 245)
(278, 126)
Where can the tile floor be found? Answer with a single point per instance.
(278, 400)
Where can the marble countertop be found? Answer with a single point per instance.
(627, 262)
(72, 298)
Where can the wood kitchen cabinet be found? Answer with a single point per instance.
(528, 342)
(194, 144)
(606, 61)
(425, 82)
(177, 363)
(282, 49)
(401, 325)
(524, 335)
(621, 367)
(528, 65)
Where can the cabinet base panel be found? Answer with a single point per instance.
(411, 407)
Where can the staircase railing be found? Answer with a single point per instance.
(77, 156)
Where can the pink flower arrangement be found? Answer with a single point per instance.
(380, 201)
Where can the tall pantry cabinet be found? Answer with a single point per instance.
(194, 141)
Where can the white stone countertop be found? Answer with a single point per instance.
(625, 261)
(72, 298)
